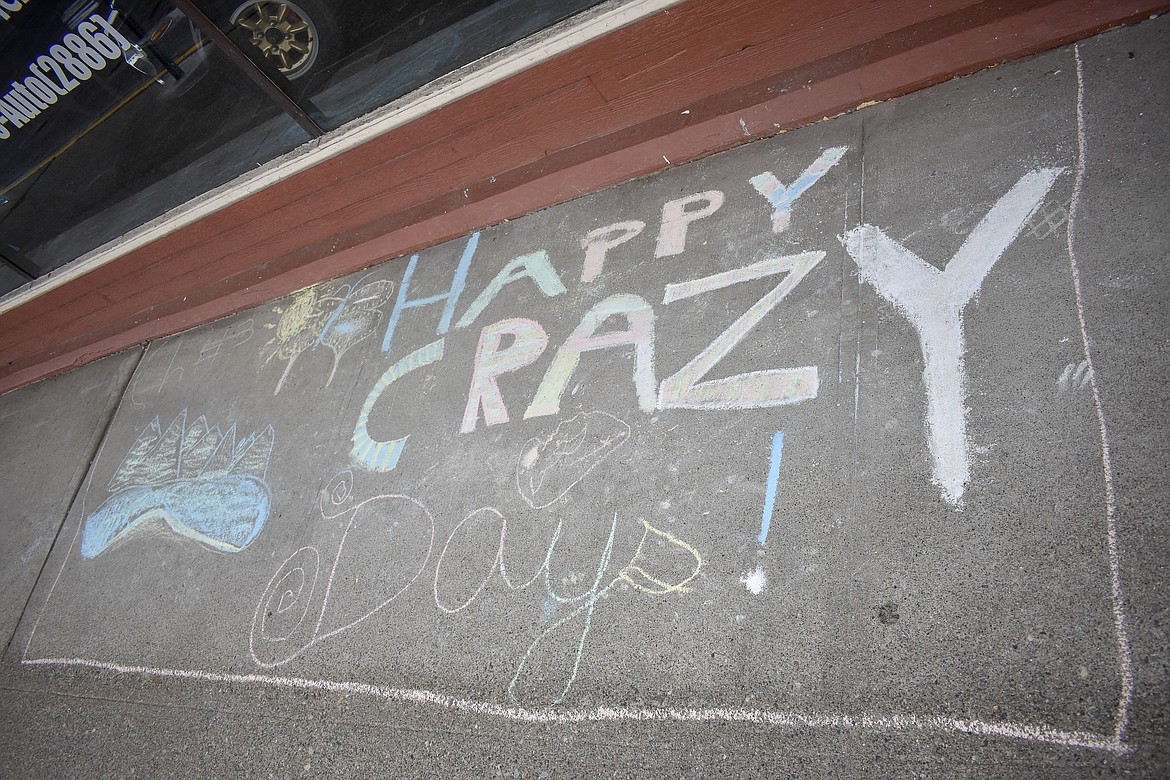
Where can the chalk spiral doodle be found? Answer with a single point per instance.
(201, 482)
(384, 549)
(293, 595)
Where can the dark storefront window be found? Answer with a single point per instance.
(116, 112)
(346, 57)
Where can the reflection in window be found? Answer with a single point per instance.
(120, 110)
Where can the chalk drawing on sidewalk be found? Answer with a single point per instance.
(236, 335)
(598, 242)
(370, 453)
(304, 573)
(1049, 221)
(1117, 592)
(534, 266)
(334, 316)
(386, 544)
(933, 302)
(757, 579)
(547, 470)
(773, 479)
(156, 370)
(782, 198)
(591, 335)
(449, 299)
(528, 342)
(661, 564)
(200, 482)
(654, 567)
(1076, 377)
(791, 719)
(677, 219)
(686, 389)
(576, 624)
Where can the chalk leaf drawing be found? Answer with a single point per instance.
(335, 316)
(203, 483)
(547, 470)
(933, 302)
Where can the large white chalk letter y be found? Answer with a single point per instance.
(933, 302)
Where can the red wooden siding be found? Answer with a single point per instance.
(601, 114)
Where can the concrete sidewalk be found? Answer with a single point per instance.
(839, 454)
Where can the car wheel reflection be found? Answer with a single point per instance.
(288, 35)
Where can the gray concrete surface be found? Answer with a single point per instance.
(50, 433)
(297, 553)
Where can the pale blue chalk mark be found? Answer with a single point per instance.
(225, 513)
(200, 482)
(344, 327)
(550, 609)
(451, 297)
(773, 478)
(782, 198)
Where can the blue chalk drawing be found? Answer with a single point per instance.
(199, 481)
(367, 452)
(451, 297)
(773, 478)
(782, 197)
(225, 514)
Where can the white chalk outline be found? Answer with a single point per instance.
(789, 718)
(344, 481)
(1117, 594)
(1113, 743)
(529, 498)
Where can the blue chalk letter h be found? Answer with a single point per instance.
(452, 297)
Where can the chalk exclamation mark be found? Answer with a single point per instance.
(757, 579)
(773, 479)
